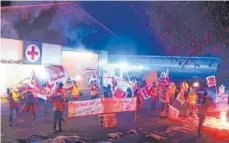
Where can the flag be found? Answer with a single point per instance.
(181, 98)
(145, 91)
(164, 79)
(119, 93)
(56, 73)
(173, 112)
(38, 90)
(211, 81)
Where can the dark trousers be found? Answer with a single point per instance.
(57, 118)
(201, 121)
(11, 114)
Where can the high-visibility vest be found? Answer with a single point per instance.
(58, 101)
(192, 98)
(154, 91)
(185, 86)
(75, 91)
(15, 96)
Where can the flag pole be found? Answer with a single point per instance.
(215, 87)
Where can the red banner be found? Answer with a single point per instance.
(55, 72)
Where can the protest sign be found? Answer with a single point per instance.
(84, 108)
(111, 105)
(99, 106)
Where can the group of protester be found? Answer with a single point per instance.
(168, 93)
(165, 93)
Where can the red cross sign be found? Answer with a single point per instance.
(32, 53)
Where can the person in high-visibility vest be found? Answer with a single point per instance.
(94, 90)
(191, 102)
(75, 91)
(154, 94)
(172, 90)
(59, 98)
(165, 100)
(14, 103)
(185, 88)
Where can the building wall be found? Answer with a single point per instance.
(13, 70)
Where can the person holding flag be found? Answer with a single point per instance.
(29, 105)
(94, 90)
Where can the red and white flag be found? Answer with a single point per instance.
(56, 73)
(119, 93)
(173, 112)
(145, 91)
(180, 97)
(38, 90)
(211, 81)
(164, 79)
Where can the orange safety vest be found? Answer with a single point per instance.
(185, 86)
(192, 98)
(58, 99)
(94, 90)
(154, 91)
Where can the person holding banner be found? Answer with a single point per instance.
(94, 90)
(58, 106)
(154, 94)
(191, 101)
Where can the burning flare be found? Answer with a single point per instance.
(221, 124)
(223, 117)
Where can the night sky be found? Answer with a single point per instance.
(121, 19)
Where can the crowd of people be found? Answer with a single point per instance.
(164, 93)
